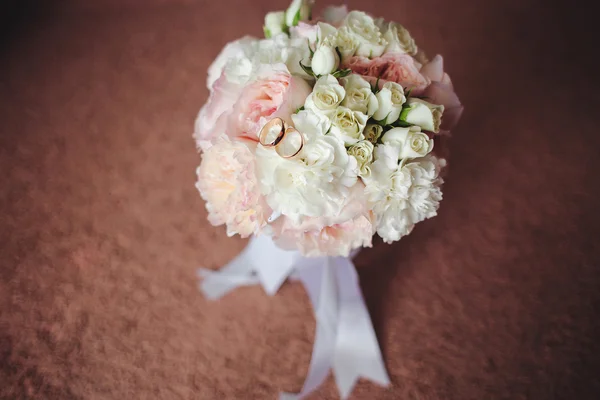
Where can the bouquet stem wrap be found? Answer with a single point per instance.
(344, 339)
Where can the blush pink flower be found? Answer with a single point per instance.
(240, 110)
(353, 228)
(333, 240)
(227, 182)
(396, 67)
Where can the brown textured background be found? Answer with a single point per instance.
(101, 228)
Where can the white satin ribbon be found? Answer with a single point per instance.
(344, 339)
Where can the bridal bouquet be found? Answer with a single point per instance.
(322, 134)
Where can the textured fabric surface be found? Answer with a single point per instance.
(101, 228)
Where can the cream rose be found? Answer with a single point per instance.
(399, 40)
(274, 23)
(299, 10)
(359, 96)
(363, 152)
(348, 125)
(347, 42)
(373, 132)
(390, 98)
(411, 142)
(325, 60)
(368, 35)
(426, 115)
(326, 96)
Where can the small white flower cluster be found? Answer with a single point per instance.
(367, 126)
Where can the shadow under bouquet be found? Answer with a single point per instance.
(313, 140)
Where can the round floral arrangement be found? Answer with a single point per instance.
(323, 134)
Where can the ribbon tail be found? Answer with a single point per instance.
(318, 278)
(357, 352)
(238, 272)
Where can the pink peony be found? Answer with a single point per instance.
(227, 182)
(240, 110)
(396, 67)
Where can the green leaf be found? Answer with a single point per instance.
(312, 52)
(299, 109)
(401, 124)
(296, 18)
(306, 69)
(408, 92)
(341, 73)
(267, 32)
(337, 50)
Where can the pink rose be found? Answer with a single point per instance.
(396, 67)
(240, 110)
(227, 182)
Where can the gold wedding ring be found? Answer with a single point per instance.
(272, 133)
(288, 142)
(291, 144)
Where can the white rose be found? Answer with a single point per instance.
(359, 96)
(274, 23)
(391, 98)
(348, 125)
(363, 152)
(402, 195)
(371, 41)
(326, 96)
(315, 183)
(411, 142)
(426, 115)
(399, 40)
(325, 60)
(347, 42)
(299, 10)
(373, 132)
(237, 52)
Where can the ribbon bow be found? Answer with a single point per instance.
(344, 339)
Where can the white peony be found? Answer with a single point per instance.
(390, 100)
(234, 54)
(402, 194)
(326, 96)
(410, 142)
(359, 96)
(348, 125)
(426, 115)
(371, 41)
(281, 49)
(316, 182)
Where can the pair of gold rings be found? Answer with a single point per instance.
(286, 140)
